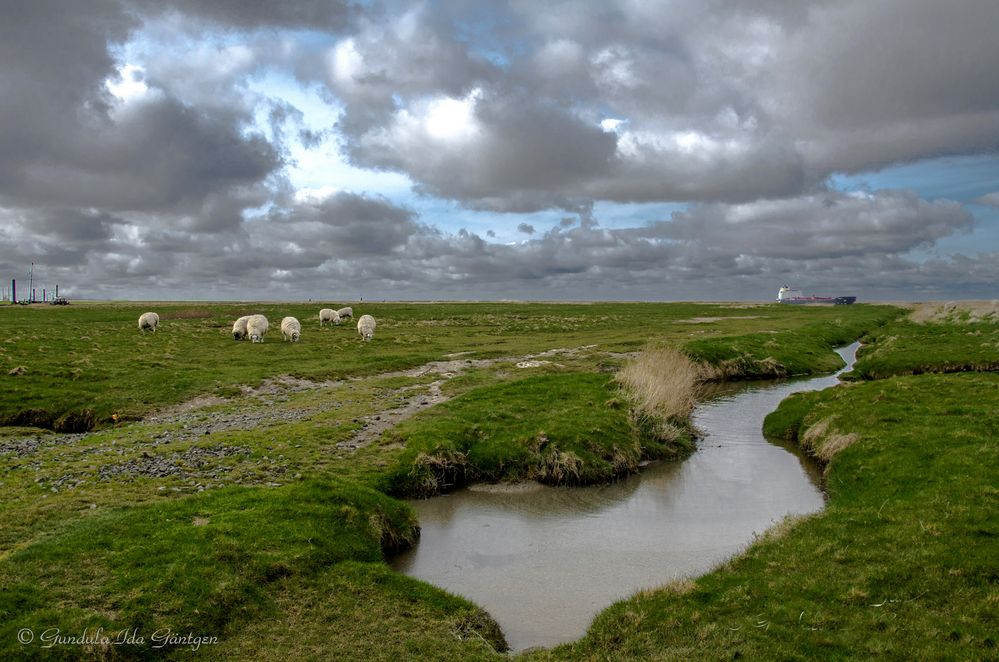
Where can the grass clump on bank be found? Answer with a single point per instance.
(199, 564)
(561, 429)
(903, 563)
(662, 385)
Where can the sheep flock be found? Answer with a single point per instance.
(255, 327)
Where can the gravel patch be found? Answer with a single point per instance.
(29, 445)
(195, 462)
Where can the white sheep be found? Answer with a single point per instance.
(366, 327)
(328, 315)
(149, 321)
(291, 329)
(256, 328)
(239, 328)
(346, 313)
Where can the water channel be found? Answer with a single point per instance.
(543, 561)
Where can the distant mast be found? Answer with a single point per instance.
(31, 281)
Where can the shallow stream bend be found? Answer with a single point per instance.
(543, 561)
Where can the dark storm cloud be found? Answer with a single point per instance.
(710, 101)
(412, 53)
(742, 108)
(155, 154)
(825, 225)
(67, 141)
(492, 151)
(370, 247)
(345, 225)
(318, 14)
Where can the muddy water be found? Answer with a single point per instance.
(544, 561)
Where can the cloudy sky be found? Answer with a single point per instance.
(614, 149)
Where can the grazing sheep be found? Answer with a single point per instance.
(366, 327)
(291, 329)
(149, 321)
(346, 313)
(256, 328)
(328, 315)
(239, 328)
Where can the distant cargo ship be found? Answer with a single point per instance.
(787, 295)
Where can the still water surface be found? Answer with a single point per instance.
(543, 561)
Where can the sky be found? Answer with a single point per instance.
(518, 149)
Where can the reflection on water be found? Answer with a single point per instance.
(544, 561)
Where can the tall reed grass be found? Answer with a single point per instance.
(662, 384)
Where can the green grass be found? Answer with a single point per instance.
(509, 432)
(296, 571)
(84, 363)
(908, 348)
(903, 563)
(783, 353)
(363, 611)
(203, 564)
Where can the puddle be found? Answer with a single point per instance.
(544, 561)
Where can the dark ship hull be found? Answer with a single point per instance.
(839, 301)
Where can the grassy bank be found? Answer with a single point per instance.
(910, 348)
(783, 353)
(207, 564)
(509, 432)
(179, 520)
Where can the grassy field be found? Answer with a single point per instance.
(242, 491)
(72, 368)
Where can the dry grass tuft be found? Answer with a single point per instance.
(433, 473)
(779, 530)
(968, 312)
(559, 468)
(812, 437)
(836, 442)
(663, 383)
(823, 441)
(676, 587)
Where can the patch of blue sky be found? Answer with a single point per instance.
(616, 215)
(960, 178)
(322, 168)
(450, 217)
